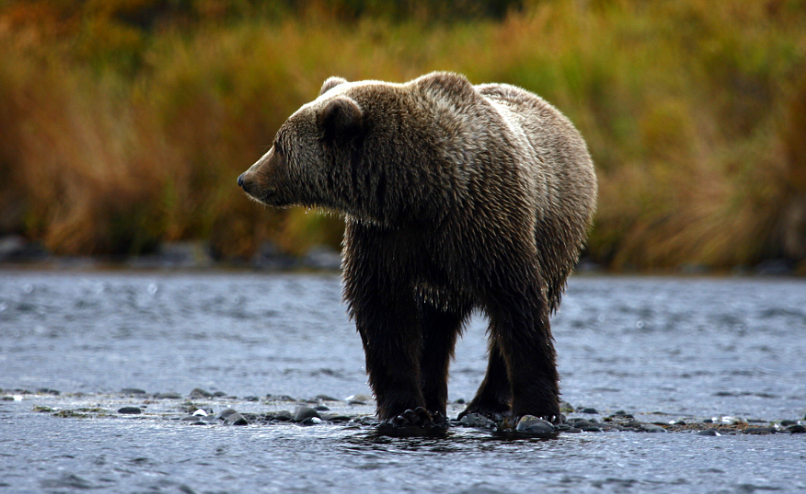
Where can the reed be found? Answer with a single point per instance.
(125, 124)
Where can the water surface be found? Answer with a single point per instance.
(688, 349)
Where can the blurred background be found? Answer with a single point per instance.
(124, 123)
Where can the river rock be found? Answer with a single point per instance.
(581, 423)
(359, 399)
(589, 410)
(14, 248)
(477, 420)
(132, 391)
(760, 430)
(168, 396)
(533, 425)
(284, 416)
(235, 419)
(338, 418)
(272, 397)
(311, 421)
(708, 432)
(130, 410)
(200, 394)
(652, 428)
(775, 267)
(302, 413)
(796, 429)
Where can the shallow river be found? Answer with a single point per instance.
(662, 349)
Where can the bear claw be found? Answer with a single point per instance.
(414, 423)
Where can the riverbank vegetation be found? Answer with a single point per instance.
(124, 123)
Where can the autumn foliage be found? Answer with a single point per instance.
(124, 123)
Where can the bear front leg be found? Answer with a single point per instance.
(520, 327)
(392, 341)
(440, 328)
(493, 397)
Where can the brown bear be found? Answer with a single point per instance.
(456, 197)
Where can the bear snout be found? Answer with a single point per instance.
(246, 181)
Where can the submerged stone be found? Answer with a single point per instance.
(132, 391)
(760, 430)
(199, 393)
(302, 413)
(709, 432)
(168, 396)
(284, 416)
(235, 419)
(533, 425)
(477, 420)
(226, 413)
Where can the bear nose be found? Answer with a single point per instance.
(240, 180)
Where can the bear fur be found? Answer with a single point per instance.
(456, 197)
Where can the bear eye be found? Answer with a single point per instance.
(278, 148)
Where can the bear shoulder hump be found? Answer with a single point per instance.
(446, 85)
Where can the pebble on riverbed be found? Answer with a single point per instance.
(530, 424)
(312, 412)
(478, 421)
(302, 413)
(132, 391)
(359, 399)
(236, 419)
(168, 396)
(200, 394)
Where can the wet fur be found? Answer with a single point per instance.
(456, 197)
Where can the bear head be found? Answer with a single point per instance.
(374, 150)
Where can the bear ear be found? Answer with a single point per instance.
(330, 83)
(341, 117)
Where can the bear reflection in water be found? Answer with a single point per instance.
(456, 197)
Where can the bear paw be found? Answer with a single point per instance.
(414, 423)
(495, 413)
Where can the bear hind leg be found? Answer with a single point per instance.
(520, 325)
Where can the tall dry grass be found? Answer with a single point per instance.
(117, 135)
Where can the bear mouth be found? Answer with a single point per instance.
(269, 198)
